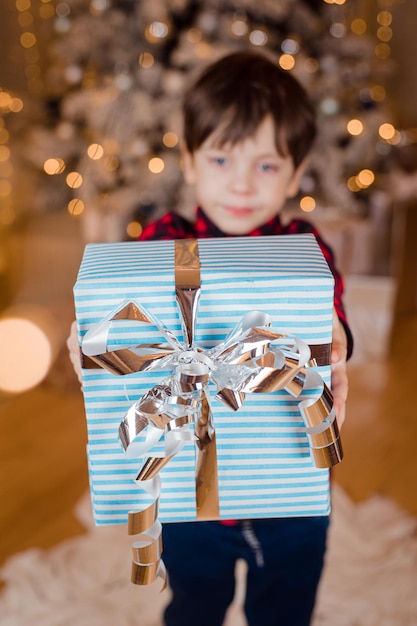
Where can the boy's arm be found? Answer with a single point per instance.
(342, 341)
(339, 371)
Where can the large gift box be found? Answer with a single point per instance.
(205, 377)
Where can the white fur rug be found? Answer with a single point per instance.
(370, 578)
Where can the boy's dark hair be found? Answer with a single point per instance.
(235, 94)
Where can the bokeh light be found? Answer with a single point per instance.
(170, 139)
(286, 61)
(354, 127)
(358, 26)
(258, 37)
(146, 60)
(156, 165)
(75, 206)
(134, 229)
(74, 180)
(386, 131)
(54, 166)
(95, 151)
(28, 347)
(307, 204)
(365, 178)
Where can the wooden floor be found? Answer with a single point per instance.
(43, 435)
(380, 433)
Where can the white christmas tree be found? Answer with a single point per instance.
(116, 74)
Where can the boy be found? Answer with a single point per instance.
(248, 129)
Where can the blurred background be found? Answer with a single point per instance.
(89, 151)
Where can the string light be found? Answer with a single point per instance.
(25, 19)
(384, 18)
(170, 139)
(358, 26)
(286, 61)
(75, 206)
(146, 60)
(307, 204)
(99, 6)
(311, 65)
(239, 28)
(378, 93)
(355, 127)
(156, 165)
(111, 163)
(54, 166)
(337, 30)
(4, 153)
(365, 178)
(6, 167)
(29, 43)
(27, 39)
(95, 151)
(386, 131)
(74, 180)
(384, 34)
(134, 229)
(4, 134)
(23, 5)
(290, 46)
(352, 184)
(29, 345)
(194, 35)
(46, 11)
(7, 214)
(157, 31)
(329, 106)
(258, 37)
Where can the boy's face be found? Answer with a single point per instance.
(242, 187)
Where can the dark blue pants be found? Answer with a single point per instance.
(284, 556)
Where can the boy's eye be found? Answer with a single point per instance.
(268, 167)
(220, 161)
(217, 160)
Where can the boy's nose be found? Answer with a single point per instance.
(241, 182)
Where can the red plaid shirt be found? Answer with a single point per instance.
(172, 226)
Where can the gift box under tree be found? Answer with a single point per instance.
(218, 423)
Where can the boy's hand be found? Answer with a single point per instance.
(74, 350)
(339, 373)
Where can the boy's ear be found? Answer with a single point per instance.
(294, 183)
(188, 166)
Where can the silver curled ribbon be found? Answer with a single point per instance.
(253, 358)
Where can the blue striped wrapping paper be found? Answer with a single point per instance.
(264, 464)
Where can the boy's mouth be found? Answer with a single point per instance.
(239, 211)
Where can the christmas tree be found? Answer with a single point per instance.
(108, 147)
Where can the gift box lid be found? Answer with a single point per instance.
(286, 276)
(292, 255)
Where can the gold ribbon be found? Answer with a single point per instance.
(245, 362)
